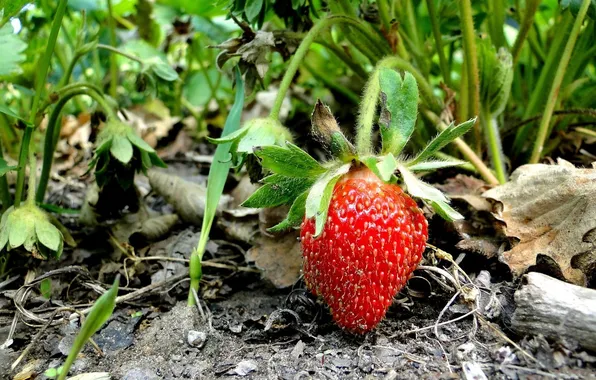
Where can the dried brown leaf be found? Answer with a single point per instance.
(551, 211)
(279, 258)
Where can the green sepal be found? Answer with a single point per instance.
(137, 141)
(383, 166)
(121, 149)
(4, 167)
(319, 197)
(295, 215)
(446, 136)
(427, 166)
(495, 70)
(289, 161)
(20, 230)
(445, 211)
(399, 109)
(278, 190)
(48, 235)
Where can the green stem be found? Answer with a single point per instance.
(32, 173)
(53, 132)
(120, 52)
(495, 148)
(349, 94)
(471, 62)
(556, 83)
(303, 49)
(434, 21)
(368, 106)
(526, 25)
(113, 42)
(384, 12)
(342, 55)
(40, 81)
(496, 21)
(4, 192)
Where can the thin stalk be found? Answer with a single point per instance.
(368, 107)
(471, 62)
(462, 105)
(496, 21)
(526, 25)
(113, 42)
(4, 192)
(465, 150)
(384, 12)
(495, 148)
(53, 132)
(435, 24)
(556, 83)
(349, 94)
(120, 52)
(303, 49)
(344, 57)
(32, 173)
(40, 80)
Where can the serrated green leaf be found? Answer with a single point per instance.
(19, 231)
(289, 161)
(445, 211)
(295, 215)
(48, 235)
(434, 165)
(4, 167)
(137, 141)
(98, 315)
(12, 49)
(445, 137)
(317, 201)
(278, 190)
(399, 109)
(419, 189)
(121, 149)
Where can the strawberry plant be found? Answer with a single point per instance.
(362, 234)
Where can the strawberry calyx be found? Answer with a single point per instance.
(297, 179)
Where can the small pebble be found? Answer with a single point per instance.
(243, 368)
(196, 338)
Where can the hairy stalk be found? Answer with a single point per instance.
(32, 173)
(113, 42)
(384, 12)
(53, 132)
(370, 99)
(556, 83)
(4, 192)
(303, 49)
(39, 83)
(465, 150)
(526, 25)
(495, 148)
(434, 21)
(496, 22)
(471, 62)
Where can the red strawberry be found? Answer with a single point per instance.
(373, 240)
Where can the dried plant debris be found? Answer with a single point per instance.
(279, 258)
(549, 211)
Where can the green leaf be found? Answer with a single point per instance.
(317, 202)
(252, 9)
(156, 161)
(121, 149)
(289, 161)
(162, 69)
(100, 312)
(4, 234)
(278, 190)
(12, 49)
(399, 108)
(7, 111)
(575, 5)
(295, 215)
(137, 141)
(256, 137)
(383, 166)
(229, 138)
(19, 230)
(445, 137)
(10, 8)
(433, 165)
(445, 211)
(4, 168)
(45, 287)
(48, 235)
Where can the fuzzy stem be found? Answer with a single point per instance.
(556, 83)
(32, 174)
(113, 42)
(494, 144)
(384, 12)
(471, 62)
(370, 99)
(466, 151)
(4, 192)
(434, 21)
(40, 81)
(496, 21)
(53, 132)
(526, 25)
(303, 49)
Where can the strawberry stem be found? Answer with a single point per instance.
(300, 54)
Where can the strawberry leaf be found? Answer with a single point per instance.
(317, 201)
(278, 190)
(399, 108)
(383, 166)
(445, 137)
(445, 211)
(289, 161)
(433, 165)
(295, 215)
